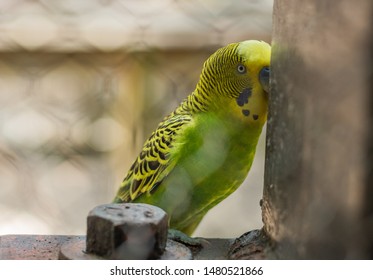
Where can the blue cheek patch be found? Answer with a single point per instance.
(243, 99)
(244, 96)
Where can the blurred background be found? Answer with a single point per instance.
(83, 84)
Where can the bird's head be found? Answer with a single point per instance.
(235, 81)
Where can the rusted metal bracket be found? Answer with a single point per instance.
(128, 231)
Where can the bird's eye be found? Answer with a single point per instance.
(241, 69)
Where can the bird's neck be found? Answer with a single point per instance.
(252, 115)
(197, 101)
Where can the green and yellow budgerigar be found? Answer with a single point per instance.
(203, 150)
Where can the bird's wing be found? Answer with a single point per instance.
(155, 160)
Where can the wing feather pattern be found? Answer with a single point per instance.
(155, 161)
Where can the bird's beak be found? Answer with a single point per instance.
(264, 78)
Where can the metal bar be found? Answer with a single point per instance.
(32, 247)
(48, 247)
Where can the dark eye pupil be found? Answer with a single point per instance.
(241, 68)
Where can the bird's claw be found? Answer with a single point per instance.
(183, 238)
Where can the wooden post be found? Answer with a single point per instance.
(318, 197)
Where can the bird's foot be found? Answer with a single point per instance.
(181, 237)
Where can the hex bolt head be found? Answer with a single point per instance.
(127, 231)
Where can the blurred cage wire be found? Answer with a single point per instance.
(82, 85)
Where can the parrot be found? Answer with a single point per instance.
(203, 150)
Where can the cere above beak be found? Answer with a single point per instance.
(264, 78)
